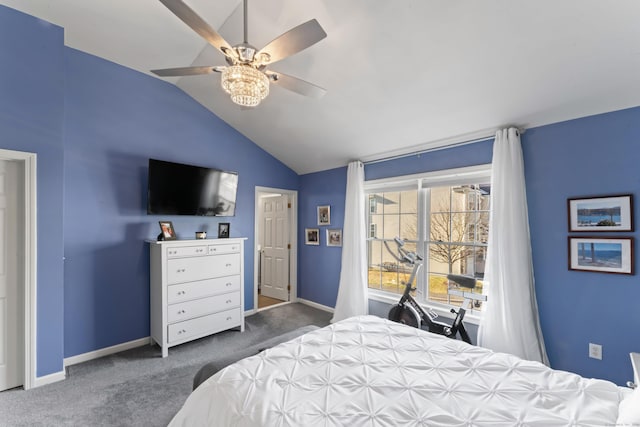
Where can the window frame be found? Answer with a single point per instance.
(420, 182)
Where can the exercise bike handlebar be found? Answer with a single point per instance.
(407, 256)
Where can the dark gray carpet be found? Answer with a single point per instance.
(137, 387)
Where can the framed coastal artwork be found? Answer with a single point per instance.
(605, 213)
(601, 254)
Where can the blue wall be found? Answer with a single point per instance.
(115, 119)
(31, 112)
(319, 266)
(595, 155)
(94, 125)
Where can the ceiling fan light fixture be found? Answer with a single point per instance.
(246, 85)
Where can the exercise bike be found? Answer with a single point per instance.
(409, 312)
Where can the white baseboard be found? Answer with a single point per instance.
(85, 357)
(250, 312)
(49, 379)
(315, 305)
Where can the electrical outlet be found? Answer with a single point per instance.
(595, 351)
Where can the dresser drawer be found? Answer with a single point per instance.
(200, 307)
(204, 325)
(193, 290)
(182, 270)
(187, 251)
(224, 249)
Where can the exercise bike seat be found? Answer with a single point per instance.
(464, 281)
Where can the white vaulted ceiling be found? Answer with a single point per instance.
(400, 75)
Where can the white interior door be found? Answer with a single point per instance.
(275, 247)
(11, 303)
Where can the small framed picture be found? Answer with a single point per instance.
(223, 230)
(601, 254)
(334, 236)
(166, 230)
(606, 213)
(312, 236)
(324, 215)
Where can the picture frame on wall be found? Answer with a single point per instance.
(602, 213)
(312, 236)
(167, 231)
(601, 254)
(334, 236)
(224, 228)
(324, 215)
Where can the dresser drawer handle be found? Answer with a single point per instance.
(229, 284)
(182, 331)
(180, 270)
(181, 312)
(182, 292)
(229, 318)
(229, 301)
(228, 265)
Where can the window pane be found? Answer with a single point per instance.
(440, 199)
(409, 202)
(375, 271)
(438, 288)
(480, 259)
(482, 228)
(462, 260)
(409, 226)
(439, 258)
(440, 231)
(375, 223)
(461, 223)
(391, 202)
(391, 226)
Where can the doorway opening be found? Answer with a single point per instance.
(18, 275)
(275, 260)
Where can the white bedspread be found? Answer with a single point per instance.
(368, 371)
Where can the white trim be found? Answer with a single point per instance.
(96, 354)
(315, 305)
(250, 312)
(293, 240)
(30, 261)
(49, 379)
(439, 176)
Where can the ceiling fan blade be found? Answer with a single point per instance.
(293, 41)
(197, 24)
(296, 85)
(186, 71)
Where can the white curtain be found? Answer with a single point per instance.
(510, 323)
(352, 291)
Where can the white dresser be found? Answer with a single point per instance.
(196, 289)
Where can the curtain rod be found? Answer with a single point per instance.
(458, 141)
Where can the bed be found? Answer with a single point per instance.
(368, 371)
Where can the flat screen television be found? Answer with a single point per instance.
(180, 189)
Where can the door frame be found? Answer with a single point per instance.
(29, 287)
(293, 240)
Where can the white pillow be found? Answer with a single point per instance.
(629, 410)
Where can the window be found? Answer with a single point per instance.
(443, 216)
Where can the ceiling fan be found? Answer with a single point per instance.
(246, 78)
